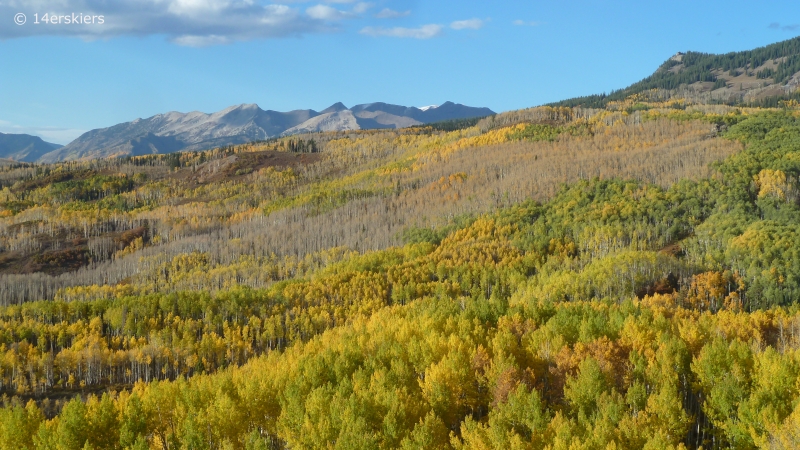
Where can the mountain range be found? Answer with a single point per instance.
(759, 77)
(175, 131)
(24, 147)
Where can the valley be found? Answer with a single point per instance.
(612, 271)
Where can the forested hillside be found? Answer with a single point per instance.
(624, 277)
(763, 76)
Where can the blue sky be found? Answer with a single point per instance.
(154, 56)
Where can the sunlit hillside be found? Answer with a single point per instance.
(624, 277)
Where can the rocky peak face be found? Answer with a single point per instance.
(244, 123)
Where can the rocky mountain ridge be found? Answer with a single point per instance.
(175, 131)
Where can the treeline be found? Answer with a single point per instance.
(699, 67)
(451, 125)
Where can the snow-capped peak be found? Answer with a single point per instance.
(425, 108)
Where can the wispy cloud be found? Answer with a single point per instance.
(423, 32)
(387, 13)
(470, 24)
(777, 26)
(185, 22)
(328, 13)
(525, 23)
(325, 12)
(202, 23)
(189, 40)
(362, 7)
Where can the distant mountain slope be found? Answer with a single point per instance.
(450, 111)
(763, 75)
(384, 115)
(24, 147)
(331, 121)
(174, 131)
